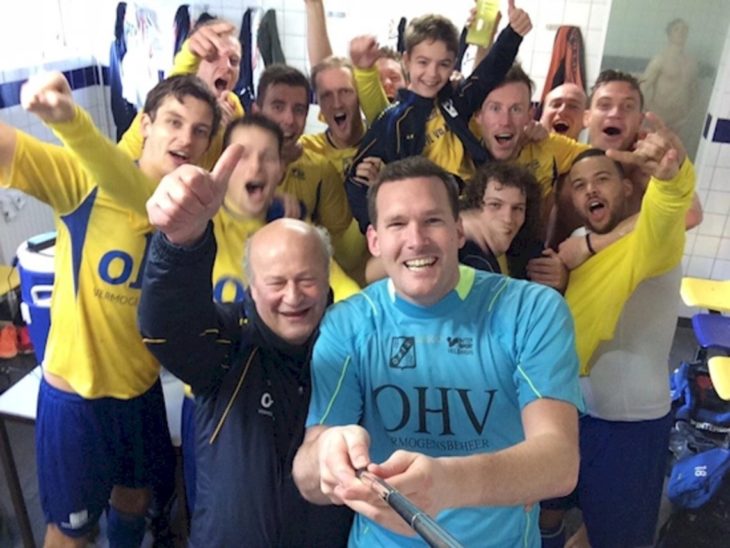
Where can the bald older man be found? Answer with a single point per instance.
(248, 364)
(563, 110)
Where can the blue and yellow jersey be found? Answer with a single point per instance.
(185, 63)
(445, 149)
(101, 246)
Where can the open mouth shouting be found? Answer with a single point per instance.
(340, 120)
(255, 189)
(221, 84)
(560, 127)
(597, 210)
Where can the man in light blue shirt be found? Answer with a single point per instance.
(459, 387)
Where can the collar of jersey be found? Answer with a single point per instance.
(450, 302)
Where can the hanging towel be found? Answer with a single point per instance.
(267, 39)
(244, 86)
(182, 27)
(401, 45)
(568, 62)
(123, 112)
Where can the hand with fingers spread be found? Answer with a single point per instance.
(364, 51)
(660, 153)
(186, 199)
(48, 96)
(207, 42)
(518, 19)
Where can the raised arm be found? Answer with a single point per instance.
(49, 97)
(318, 41)
(492, 69)
(364, 52)
(178, 320)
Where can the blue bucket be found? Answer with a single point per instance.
(35, 266)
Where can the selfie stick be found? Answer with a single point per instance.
(423, 524)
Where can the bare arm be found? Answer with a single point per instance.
(318, 41)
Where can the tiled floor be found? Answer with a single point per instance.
(22, 441)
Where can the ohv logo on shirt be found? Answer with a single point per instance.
(402, 352)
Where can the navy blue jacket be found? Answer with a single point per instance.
(518, 255)
(400, 130)
(245, 492)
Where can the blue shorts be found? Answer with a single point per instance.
(622, 469)
(85, 447)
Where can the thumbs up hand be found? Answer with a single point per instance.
(187, 198)
(518, 19)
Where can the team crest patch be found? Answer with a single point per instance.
(402, 352)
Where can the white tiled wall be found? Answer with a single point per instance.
(707, 252)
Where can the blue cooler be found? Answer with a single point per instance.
(35, 265)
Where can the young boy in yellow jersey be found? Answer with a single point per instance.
(101, 431)
(431, 117)
(213, 53)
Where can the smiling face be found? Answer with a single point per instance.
(614, 116)
(179, 134)
(502, 215)
(289, 278)
(417, 238)
(287, 106)
(429, 65)
(339, 104)
(564, 109)
(221, 74)
(599, 193)
(254, 180)
(502, 119)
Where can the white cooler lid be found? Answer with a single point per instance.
(37, 261)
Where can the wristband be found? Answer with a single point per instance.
(588, 243)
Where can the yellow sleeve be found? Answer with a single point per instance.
(185, 62)
(342, 285)
(373, 100)
(109, 167)
(131, 141)
(47, 172)
(660, 225)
